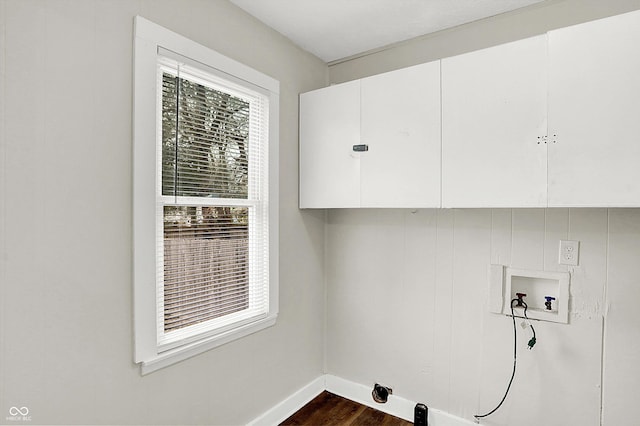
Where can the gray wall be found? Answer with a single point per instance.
(519, 24)
(406, 291)
(423, 327)
(66, 221)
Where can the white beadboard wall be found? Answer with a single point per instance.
(407, 307)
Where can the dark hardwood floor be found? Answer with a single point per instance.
(329, 409)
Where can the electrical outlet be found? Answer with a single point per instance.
(569, 251)
(420, 414)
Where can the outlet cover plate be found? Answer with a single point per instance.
(569, 252)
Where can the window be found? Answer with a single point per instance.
(205, 198)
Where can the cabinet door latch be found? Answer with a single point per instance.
(361, 148)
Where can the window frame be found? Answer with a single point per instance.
(150, 40)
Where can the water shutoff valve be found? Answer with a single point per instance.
(520, 296)
(548, 302)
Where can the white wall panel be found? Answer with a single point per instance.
(556, 229)
(357, 270)
(419, 295)
(501, 236)
(589, 226)
(558, 382)
(471, 255)
(622, 319)
(496, 350)
(439, 390)
(527, 244)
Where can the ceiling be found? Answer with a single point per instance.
(338, 29)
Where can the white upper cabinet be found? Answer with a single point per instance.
(549, 121)
(594, 109)
(494, 122)
(329, 127)
(400, 113)
(373, 142)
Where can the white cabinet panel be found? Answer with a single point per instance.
(329, 127)
(594, 109)
(401, 126)
(496, 149)
(494, 108)
(397, 115)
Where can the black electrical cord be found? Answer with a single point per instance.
(532, 341)
(515, 352)
(513, 374)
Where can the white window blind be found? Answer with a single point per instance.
(212, 246)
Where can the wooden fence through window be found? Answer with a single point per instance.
(204, 279)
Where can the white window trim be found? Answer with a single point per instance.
(148, 39)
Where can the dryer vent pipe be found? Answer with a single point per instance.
(381, 393)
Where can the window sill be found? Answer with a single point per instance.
(181, 353)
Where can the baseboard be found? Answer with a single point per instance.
(291, 404)
(395, 406)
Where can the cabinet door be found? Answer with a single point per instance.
(401, 126)
(494, 109)
(594, 109)
(329, 127)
